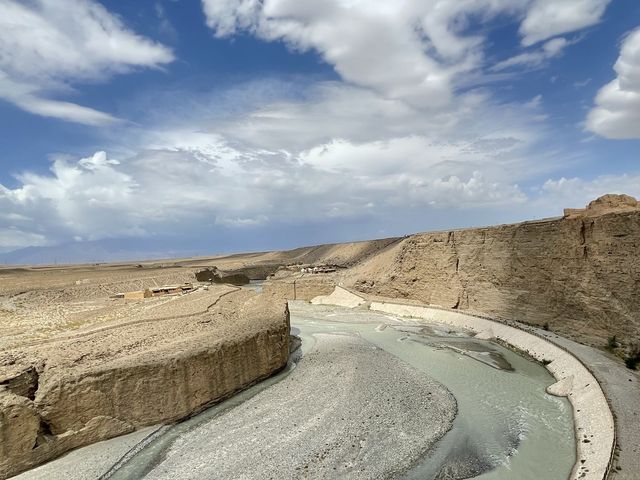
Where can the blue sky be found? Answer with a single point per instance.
(228, 125)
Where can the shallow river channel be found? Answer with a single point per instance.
(506, 426)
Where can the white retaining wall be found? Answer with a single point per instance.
(593, 420)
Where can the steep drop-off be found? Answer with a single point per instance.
(579, 274)
(61, 394)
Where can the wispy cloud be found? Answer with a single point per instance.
(545, 19)
(48, 45)
(582, 83)
(535, 58)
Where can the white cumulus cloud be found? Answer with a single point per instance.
(404, 50)
(211, 182)
(617, 110)
(411, 50)
(577, 192)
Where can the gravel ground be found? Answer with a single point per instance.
(348, 410)
(87, 463)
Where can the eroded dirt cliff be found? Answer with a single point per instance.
(579, 274)
(77, 389)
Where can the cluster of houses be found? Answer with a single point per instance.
(320, 269)
(156, 292)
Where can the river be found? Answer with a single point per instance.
(507, 426)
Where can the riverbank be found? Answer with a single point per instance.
(594, 423)
(622, 389)
(347, 410)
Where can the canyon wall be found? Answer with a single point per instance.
(580, 275)
(62, 395)
(299, 287)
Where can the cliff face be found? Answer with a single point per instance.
(64, 394)
(580, 274)
(299, 287)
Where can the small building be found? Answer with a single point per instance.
(172, 289)
(318, 269)
(156, 292)
(135, 295)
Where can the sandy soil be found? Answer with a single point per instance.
(77, 366)
(38, 303)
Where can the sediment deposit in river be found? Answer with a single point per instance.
(348, 410)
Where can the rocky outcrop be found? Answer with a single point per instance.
(62, 395)
(580, 274)
(213, 275)
(606, 204)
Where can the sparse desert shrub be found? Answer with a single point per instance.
(633, 359)
(612, 343)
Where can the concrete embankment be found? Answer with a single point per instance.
(594, 423)
(61, 395)
(339, 296)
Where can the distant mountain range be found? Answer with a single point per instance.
(177, 245)
(93, 252)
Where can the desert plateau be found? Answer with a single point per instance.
(357, 341)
